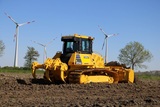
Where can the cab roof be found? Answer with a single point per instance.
(77, 36)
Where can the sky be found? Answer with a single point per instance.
(133, 20)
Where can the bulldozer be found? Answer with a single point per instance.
(77, 63)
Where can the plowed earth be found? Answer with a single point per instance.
(22, 90)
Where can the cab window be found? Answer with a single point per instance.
(69, 47)
(85, 45)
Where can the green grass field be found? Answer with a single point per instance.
(18, 70)
(147, 76)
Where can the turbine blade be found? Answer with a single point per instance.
(103, 43)
(38, 43)
(103, 31)
(14, 39)
(15, 35)
(10, 18)
(112, 35)
(51, 41)
(25, 23)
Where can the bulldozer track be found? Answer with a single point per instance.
(74, 76)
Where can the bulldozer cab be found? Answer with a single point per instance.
(77, 43)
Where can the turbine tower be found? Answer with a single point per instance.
(106, 41)
(45, 50)
(16, 38)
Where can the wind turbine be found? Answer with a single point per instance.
(44, 45)
(16, 38)
(106, 40)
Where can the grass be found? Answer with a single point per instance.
(148, 75)
(18, 70)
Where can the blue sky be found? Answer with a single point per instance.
(134, 20)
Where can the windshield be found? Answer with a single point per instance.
(78, 45)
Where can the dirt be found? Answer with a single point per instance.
(21, 90)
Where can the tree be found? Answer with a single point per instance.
(2, 47)
(30, 56)
(134, 55)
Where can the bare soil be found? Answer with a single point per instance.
(21, 90)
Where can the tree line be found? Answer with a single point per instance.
(132, 55)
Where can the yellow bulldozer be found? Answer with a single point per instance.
(77, 63)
